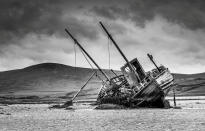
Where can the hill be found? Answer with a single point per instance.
(49, 79)
(190, 84)
(57, 79)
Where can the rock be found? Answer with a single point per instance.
(65, 105)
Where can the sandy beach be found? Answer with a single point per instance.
(83, 117)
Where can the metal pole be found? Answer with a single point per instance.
(129, 65)
(84, 85)
(113, 72)
(174, 97)
(151, 58)
(87, 55)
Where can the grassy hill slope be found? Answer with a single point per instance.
(58, 79)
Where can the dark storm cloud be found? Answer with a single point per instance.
(188, 13)
(20, 17)
(110, 12)
(32, 31)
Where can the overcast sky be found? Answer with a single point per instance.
(173, 31)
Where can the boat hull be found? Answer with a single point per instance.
(149, 96)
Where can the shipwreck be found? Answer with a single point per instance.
(134, 87)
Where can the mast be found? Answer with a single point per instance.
(79, 45)
(83, 86)
(151, 58)
(114, 73)
(118, 48)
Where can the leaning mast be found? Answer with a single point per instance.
(79, 45)
(118, 48)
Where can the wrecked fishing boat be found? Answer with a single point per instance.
(134, 87)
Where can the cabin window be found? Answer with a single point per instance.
(127, 69)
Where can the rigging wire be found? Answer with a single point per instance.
(109, 53)
(87, 59)
(91, 66)
(75, 55)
